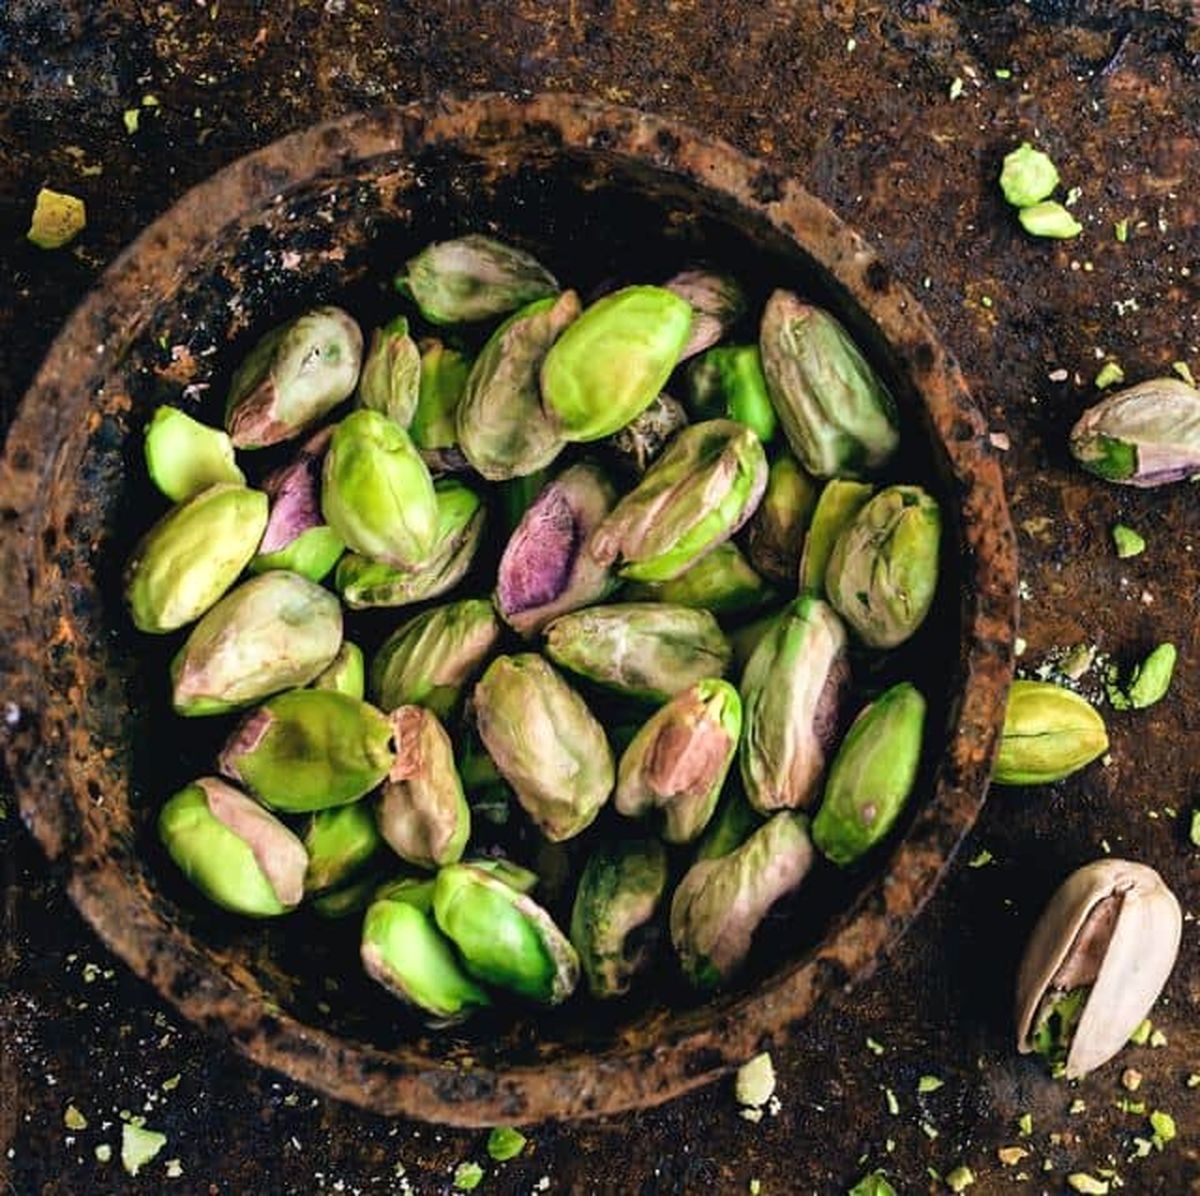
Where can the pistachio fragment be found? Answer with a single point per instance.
(836, 413)
(678, 761)
(340, 843)
(294, 375)
(545, 742)
(192, 555)
(1049, 733)
(728, 383)
(871, 776)
(1095, 964)
(717, 302)
(444, 373)
(184, 456)
(1028, 176)
(391, 373)
(608, 366)
(837, 506)
(423, 813)
(721, 902)
(503, 936)
(1145, 435)
(776, 531)
(238, 855)
(345, 673)
(648, 650)
(272, 633)
(473, 278)
(692, 499)
(619, 892)
(721, 582)
(1049, 219)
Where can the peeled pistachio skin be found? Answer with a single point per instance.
(237, 854)
(340, 843)
(721, 582)
(423, 814)
(837, 506)
(364, 583)
(717, 302)
(391, 373)
(642, 441)
(376, 492)
(403, 950)
(545, 569)
(473, 278)
(728, 383)
(345, 673)
(836, 413)
(501, 426)
(296, 374)
(444, 374)
(309, 749)
(692, 499)
(609, 365)
(430, 659)
(184, 456)
(192, 555)
(678, 761)
(720, 902)
(883, 570)
(776, 533)
(872, 775)
(1049, 733)
(272, 633)
(620, 890)
(1146, 435)
(794, 693)
(1112, 928)
(545, 742)
(503, 936)
(649, 650)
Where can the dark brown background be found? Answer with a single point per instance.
(855, 101)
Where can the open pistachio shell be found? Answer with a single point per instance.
(1112, 929)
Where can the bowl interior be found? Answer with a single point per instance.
(614, 199)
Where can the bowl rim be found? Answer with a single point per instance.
(631, 1074)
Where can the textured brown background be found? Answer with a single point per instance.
(855, 101)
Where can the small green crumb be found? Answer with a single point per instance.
(876, 1048)
(1181, 368)
(1130, 1106)
(1078, 1105)
(985, 301)
(1141, 1148)
(893, 1105)
(1193, 1081)
(1152, 678)
(131, 117)
(174, 1169)
(57, 218)
(1080, 1181)
(1110, 374)
(73, 1119)
(981, 858)
(1002, 72)
(103, 1153)
(960, 1179)
(171, 1083)
(1163, 1125)
(1127, 542)
(1025, 1124)
(1121, 231)
(875, 1184)
(755, 1082)
(1194, 833)
(1027, 176)
(956, 88)
(754, 1187)
(1157, 1039)
(1141, 1032)
(1049, 219)
(504, 1143)
(929, 1084)
(467, 1176)
(139, 1146)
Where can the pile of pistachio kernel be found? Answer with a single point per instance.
(623, 652)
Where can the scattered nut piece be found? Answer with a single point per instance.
(755, 1082)
(1131, 1079)
(1010, 1156)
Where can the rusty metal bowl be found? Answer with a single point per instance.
(328, 214)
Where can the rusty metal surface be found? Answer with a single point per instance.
(872, 130)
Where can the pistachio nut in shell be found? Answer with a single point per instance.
(612, 917)
(422, 813)
(192, 555)
(717, 301)
(641, 442)
(503, 936)
(872, 775)
(837, 506)
(883, 571)
(545, 569)
(728, 383)
(722, 582)
(1111, 932)
(1145, 435)
(677, 762)
(648, 650)
(546, 743)
(403, 950)
(391, 373)
(499, 420)
(776, 532)
(444, 373)
(692, 499)
(473, 278)
(609, 365)
(273, 632)
(309, 749)
(720, 902)
(733, 823)
(236, 853)
(430, 659)
(184, 456)
(1049, 733)
(794, 692)
(836, 413)
(340, 843)
(296, 374)
(376, 492)
(345, 673)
